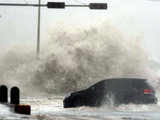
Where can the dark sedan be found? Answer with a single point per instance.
(118, 90)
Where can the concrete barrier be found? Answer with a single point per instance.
(3, 94)
(14, 100)
(23, 109)
(15, 95)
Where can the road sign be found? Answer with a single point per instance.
(59, 5)
(98, 6)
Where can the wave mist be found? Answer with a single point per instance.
(72, 59)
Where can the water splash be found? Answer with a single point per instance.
(74, 58)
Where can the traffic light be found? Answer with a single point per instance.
(59, 5)
(98, 5)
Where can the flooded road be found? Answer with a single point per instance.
(51, 108)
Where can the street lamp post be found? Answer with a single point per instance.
(38, 28)
(53, 5)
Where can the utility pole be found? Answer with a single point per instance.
(38, 28)
(54, 5)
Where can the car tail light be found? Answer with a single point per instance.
(147, 91)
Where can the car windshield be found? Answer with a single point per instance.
(50, 48)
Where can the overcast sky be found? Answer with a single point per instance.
(18, 24)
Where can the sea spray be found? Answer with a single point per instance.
(84, 56)
(73, 59)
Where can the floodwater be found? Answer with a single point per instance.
(51, 108)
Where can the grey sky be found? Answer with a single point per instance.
(18, 25)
